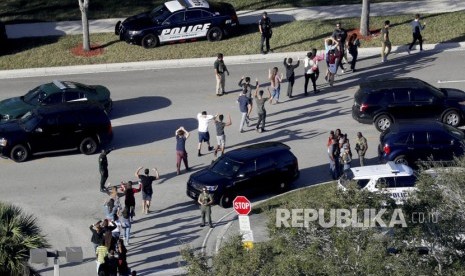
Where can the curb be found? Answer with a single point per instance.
(197, 62)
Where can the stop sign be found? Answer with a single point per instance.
(242, 205)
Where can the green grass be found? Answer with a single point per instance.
(14, 11)
(288, 37)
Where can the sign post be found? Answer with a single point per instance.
(243, 207)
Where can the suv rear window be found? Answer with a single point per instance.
(398, 182)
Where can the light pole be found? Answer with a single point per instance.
(40, 256)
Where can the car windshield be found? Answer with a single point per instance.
(226, 167)
(160, 13)
(35, 96)
(29, 122)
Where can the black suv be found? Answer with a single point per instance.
(259, 167)
(56, 128)
(408, 142)
(179, 20)
(382, 102)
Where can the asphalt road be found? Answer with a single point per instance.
(62, 190)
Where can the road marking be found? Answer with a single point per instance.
(451, 81)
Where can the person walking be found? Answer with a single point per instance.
(361, 146)
(340, 35)
(129, 199)
(205, 200)
(290, 76)
(310, 67)
(103, 168)
(264, 26)
(126, 224)
(244, 107)
(101, 252)
(330, 50)
(352, 44)
(275, 81)
(122, 257)
(181, 136)
(261, 111)
(385, 41)
(146, 180)
(345, 157)
(204, 136)
(97, 234)
(247, 87)
(220, 136)
(334, 155)
(416, 33)
(220, 70)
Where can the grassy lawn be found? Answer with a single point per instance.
(13, 11)
(288, 37)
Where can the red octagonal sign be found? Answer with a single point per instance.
(242, 205)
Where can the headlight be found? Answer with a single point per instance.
(134, 32)
(3, 142)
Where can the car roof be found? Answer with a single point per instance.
(378, 84)
(58, 86)
(386, 170)
(68, 106)
(256, 150)
(177, 5)
(415, 125)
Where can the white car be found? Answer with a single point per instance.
(397, 180)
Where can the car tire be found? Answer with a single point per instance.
(117, 27)
(383, 122)
(88, 146)
(401, 159)
(452, 118)
(226, 200)
(19, 153)
(149, 41)
(215, 34)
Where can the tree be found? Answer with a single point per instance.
(84, 7)
(18, 234)
(365, 18)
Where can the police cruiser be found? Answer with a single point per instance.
(396, 180)
(179, 20)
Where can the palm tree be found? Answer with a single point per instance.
(19, 233)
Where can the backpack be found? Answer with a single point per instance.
(332, 57)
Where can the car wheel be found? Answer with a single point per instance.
(149, 41)
(215, 34)
(19, 153)
(383, 122)
(452, 118)
(117, 27)
(88, 146)
(401, 159)
(226, 200)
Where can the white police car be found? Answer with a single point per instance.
(396, 180)
(179, 20)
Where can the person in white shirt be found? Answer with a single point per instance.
(204, 136)
(416, 33)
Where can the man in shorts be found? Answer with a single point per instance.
(146, 180)
(204, 136)
(220, 136)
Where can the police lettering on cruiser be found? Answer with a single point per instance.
(184, 32)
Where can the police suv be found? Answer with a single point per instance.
(396, 180)
(179, 20)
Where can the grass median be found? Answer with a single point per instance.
(287, 37)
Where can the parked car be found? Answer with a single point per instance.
(396, 180)
(257, 168)
(179, 20)
(53, 93)
(80, 125)
(383, 102)
(3, 38)
(410, 141)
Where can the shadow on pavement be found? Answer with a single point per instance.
(132, 106)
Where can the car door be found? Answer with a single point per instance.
(442, 145)
(419, 148)
(173, 27)
(246, 178)
(197, 24)
(400, 105)
(425, 104)
(46, 136)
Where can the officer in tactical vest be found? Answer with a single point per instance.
(264, 26)
(103, 168)
(206, 200)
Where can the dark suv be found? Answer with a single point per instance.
(407, 142)
(55, 128)
(382, 102)
(179, 20)
(259, 167)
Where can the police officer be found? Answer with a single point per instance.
(361, 146)
(103, 167)
(205, 200)
(264, 26)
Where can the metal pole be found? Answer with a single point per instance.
(56, 265)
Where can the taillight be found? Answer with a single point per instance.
(363, 107)
(234, 18)
(387, 149)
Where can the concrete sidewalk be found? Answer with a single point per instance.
(252, 17)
